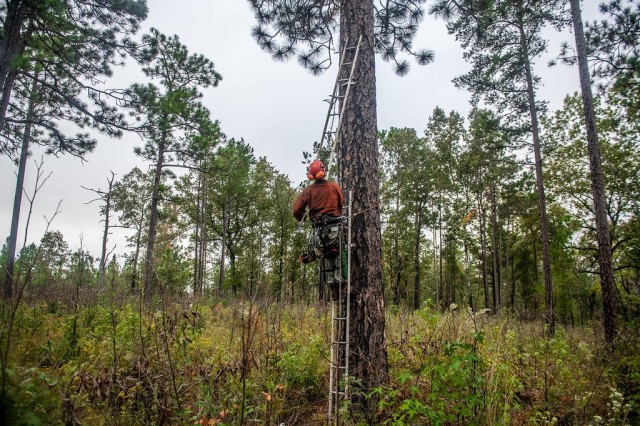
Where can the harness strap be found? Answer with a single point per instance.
(322, 220)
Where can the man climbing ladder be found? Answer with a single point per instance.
(325, 200)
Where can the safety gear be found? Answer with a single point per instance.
(327, 230)
(317, 170)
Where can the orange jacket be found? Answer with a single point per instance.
(322, 197)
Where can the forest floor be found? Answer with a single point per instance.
(227, 362)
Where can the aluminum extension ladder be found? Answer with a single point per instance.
(338, 100)
(340, 314)
(340, 306)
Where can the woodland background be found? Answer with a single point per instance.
(209, 318)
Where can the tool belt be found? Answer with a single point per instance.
(327, 234)
(325, 241)
(323, 219)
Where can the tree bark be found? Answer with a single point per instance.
(105, 235)
(607, 280)
(359, 173)
(441, 282)
(12, 45)
(416, 261)
(542, 202)
(196, 244)
(396, 237)
(467, 264)
(153, 219)
(435, 268)
(202, 262)
(483, 248)
(496, 252)
(136, 256)
(17, 199)
(223, 249)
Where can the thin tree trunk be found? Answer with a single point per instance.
(396, 237)
(607, 280)
(281, 259)
(136, 256)
(435, 268)
(17, 198)
(359, 173)
(452, 271)
(483, 248)
(542, 203)
(496, 254)
(197, 236)
(153, 220)
(442, 283)
(203, 238)
(467, 263)
(105, 235)
(509, 269)
(225, 230)
(416, 261)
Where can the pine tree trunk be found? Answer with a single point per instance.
(467, 263)
(542, 202)
(281, 250)
(359, 173)
(509, 269)
(223, 248)
(197, 235)
(607, 280)
(496, 253)
(153, 220)
(12, 45)
(416, 261)
(396, 237)
(435, 268)
(17, 200)
(443, 285)
(483, 248)
(102, 269)
(136, 256)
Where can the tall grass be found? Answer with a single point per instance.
(229, 362)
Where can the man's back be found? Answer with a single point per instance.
(322, 197)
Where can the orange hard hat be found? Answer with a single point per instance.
(317, 170)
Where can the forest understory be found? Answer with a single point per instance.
(493, 253)
(106, 359)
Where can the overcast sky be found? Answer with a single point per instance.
(276, 107)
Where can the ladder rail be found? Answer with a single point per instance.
(343, 107)
(332, 101)
(332, 377)
(341, 305)
(348, 290)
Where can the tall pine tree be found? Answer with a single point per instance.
(501, 39)
(175, 124)
(307, 31)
